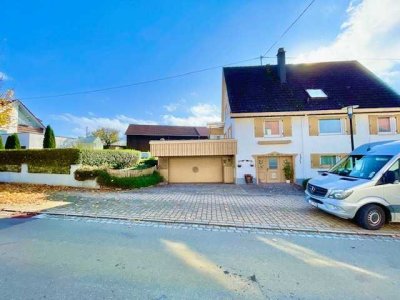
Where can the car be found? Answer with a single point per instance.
(365, 186)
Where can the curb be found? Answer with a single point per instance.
(166, 221)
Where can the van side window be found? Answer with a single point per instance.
(393, 174)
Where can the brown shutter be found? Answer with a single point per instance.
(259, 127)
(347, 121)
(287, 126)
(373, 124)
(313, 126)
(398, 123)
(315, 161)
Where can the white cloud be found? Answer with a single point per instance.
(173, 106)
(3, 76)
(371, 30)
(199, 115)
(80, 123)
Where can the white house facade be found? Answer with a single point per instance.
(28, 127)
(295, 114)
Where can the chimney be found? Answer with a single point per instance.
(281, 65)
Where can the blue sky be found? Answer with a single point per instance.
(52, 47)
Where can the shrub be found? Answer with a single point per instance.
(151, 162)
(1, 143)
(12, 142)
(116, 159)
(287, 170)
(106, 179)
(304, 183)
(49, 141)
(87, 173)
(42, 161)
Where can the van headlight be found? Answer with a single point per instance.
(340, 194)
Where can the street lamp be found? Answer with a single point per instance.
(350, 111)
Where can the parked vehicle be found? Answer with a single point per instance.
(364, 185)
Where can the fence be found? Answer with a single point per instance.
(131, 173)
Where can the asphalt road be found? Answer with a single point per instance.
(64, 259)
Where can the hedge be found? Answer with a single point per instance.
(42, 160)
(115, 159)
(106, 179)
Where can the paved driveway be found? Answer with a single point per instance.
(278, 206)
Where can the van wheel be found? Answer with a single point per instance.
(371, 217)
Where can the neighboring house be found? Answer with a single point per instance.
(121, 144)
(29, 128)
(90, 142)
(139, 136)
(295, 112)
(277, 113)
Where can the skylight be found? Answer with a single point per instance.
(316, 93)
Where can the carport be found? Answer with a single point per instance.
(196, 161)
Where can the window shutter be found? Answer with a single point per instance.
(258, 127)
(315, 161)
(373, 124)
(287, 126)
(313, 126)
(347, 122)
(398, 124)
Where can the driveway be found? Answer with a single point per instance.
(279, 206)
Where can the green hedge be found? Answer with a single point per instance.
(116, 159)
(56, 161)
(106, 179)
(87, 173)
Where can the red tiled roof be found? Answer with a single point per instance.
(166, 130)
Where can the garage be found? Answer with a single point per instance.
(195, 161)
(195, 170)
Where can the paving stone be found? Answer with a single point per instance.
(253, 206)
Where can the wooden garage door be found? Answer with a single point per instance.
(195, 170)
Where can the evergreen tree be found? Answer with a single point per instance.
(1, 144)
(13, 142)
(49, 140)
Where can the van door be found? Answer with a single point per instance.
(392, 189)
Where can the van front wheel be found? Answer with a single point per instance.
(371, 217)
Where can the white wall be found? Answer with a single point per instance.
(49, 179)
(301, 144)
(35, 140)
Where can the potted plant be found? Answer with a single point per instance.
(287, 170)
(248, 178)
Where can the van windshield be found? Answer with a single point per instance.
(360, 166)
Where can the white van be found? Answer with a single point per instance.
(364, 185)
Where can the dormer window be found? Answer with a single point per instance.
(316, 94)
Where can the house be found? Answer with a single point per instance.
(28, 127)
(286, 114)
(89, 142)
(138, 136)
(121, 144)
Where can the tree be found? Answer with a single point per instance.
(6, 108)
(1, 144)
(49, 141)
(107, 135)
(13, 142)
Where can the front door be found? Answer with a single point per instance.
(270, 168)
(273, 170)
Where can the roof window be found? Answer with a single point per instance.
(316, 94)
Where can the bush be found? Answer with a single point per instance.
(49, 141)
(87, 173)
(56, 161)
(12, 142)
(106, 179)
(304, 183)
(115, 159)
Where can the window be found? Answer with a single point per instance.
(328, 160)
(330, 126)
(273, 163)
(273, 128)
(316, 94)
(386, 125)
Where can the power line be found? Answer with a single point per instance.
(289, 27)
(139, 82)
